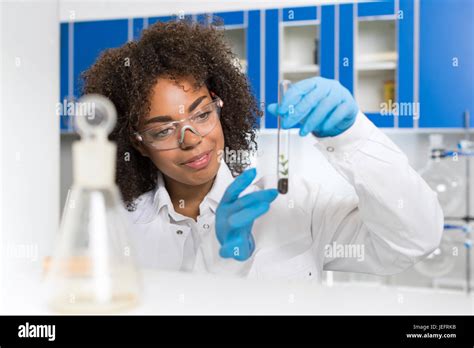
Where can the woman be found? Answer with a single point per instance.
(181, 102)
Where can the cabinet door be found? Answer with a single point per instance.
(346, 46)
(81, 45)
(271, 63)
(327, 41)
(308, 13)
(254, 42)
(378, 8)
(231, 18)
(292, 49)
(91, 39)
(406, 62)
(66, 90)
(446, 62)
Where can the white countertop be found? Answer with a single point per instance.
(170, 293)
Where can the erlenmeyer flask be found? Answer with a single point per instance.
(92, 270)
(441, 261)
(438, 174)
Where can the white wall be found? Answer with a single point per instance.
(82, 10)
(29, 136)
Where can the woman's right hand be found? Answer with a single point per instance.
(235, 216)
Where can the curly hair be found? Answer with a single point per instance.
(173, 50)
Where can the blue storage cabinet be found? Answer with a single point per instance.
(446, 62)
(307, 13)
(346, 46)
(250, 21)
(274, 19)
(65, 121)
(402, 11)
(379, 8)
(272, 70)
(90, 39)
(231, 19)
(405, 90)
(139, 24)
(328, 22)
(254, 42)
(446, 52)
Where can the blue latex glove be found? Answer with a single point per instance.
(322, 106)
(235, 216)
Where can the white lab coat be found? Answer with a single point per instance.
(395, 220)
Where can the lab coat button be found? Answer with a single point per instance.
(330, 149)
(206, 226)
(179, 232)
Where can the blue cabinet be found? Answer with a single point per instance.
(405, 87)
(346, 46)
(328, 43)
(440, 77)
(254, 42)
(81, 45)
(91, 39)
(249, 22)
(376, 57)
(316, 24)
(371, 18)
(307, 13)
(272, 70)
(378, 8)
(65, 89)
(230, 19)
(446, 62)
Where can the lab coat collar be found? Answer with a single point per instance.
(161, 198)
(223, 179)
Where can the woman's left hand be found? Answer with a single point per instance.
(322, 106)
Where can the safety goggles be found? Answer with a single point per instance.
(170, 135)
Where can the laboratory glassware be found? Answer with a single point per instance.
(438, 174)
(441, 261)
(283, 150)
(92, 269)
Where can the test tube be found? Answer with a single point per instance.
(283, 151)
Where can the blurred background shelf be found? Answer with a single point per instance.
(300, 46)
(383, 65)
(376, 63)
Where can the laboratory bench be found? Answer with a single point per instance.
(175, 293)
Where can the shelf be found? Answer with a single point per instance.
(298, 49)
(300, 23)
(236, 39)
(374, 66)
(377, 61)
(289, 68)
(370, 93)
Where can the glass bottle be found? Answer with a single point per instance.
(92, 269)
(438, 174)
